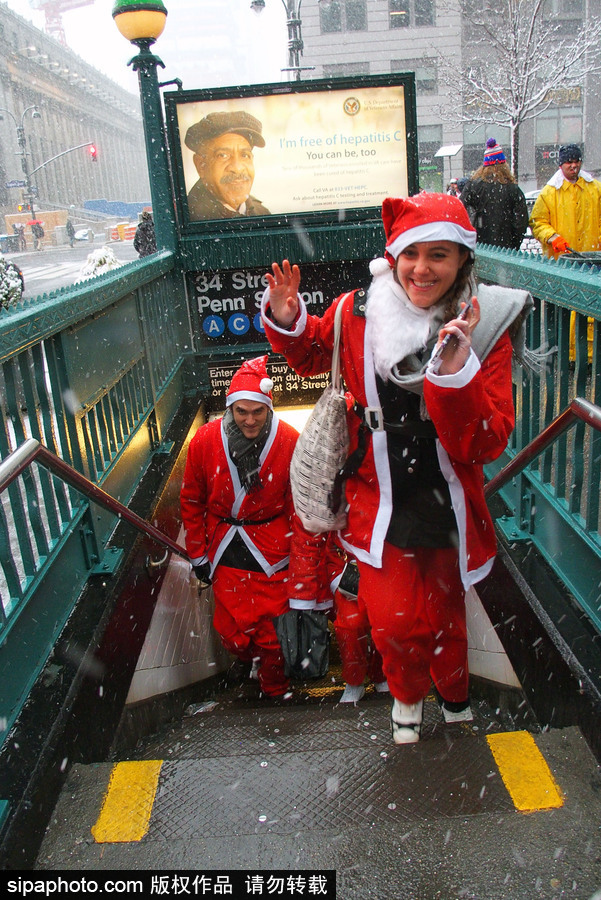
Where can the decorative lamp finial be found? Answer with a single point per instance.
(140, 20)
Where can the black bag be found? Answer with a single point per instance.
(349, 581)
(305, 641)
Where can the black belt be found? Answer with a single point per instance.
(374, 420)
(230, 520)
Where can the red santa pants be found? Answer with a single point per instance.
(245, 604)
(416, 607)
(358, 653)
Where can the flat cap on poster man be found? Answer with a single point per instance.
(218, 123)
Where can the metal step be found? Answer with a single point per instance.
(312, 784)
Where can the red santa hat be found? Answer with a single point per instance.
(251, 382)
(425, 217)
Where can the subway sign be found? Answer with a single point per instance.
(227, 302)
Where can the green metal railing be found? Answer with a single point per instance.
(555, 501)
(95, 374)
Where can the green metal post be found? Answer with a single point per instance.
(145, 64)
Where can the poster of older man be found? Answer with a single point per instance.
(223, 145)
(319, 147)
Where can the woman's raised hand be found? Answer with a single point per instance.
(455, 356)
(283, 293)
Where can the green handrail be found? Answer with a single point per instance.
(15, 464)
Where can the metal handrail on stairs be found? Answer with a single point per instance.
(578, 409)
(31, 450)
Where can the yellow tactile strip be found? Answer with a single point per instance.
(130, 796)
(524, 771)
(127, 805)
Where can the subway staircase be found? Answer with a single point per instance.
(245, 783)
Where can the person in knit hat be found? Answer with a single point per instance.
(567, 212)
(427, 415)
(567, 216)
(496, 205)
(237, 511)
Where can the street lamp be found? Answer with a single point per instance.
(142, 22)
(295, 40)
(35, 114)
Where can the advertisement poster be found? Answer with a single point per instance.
(289, 389)
(292, 152)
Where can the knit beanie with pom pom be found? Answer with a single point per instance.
(493, 153)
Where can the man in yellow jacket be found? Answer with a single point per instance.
(567, 213)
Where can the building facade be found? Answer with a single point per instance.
(369, 37)
(76, 105)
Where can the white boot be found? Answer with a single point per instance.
(462, 715)
(381, 687)
(352, 693)
(406, 721)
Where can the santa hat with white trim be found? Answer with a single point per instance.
(425, 217)
(251, 382)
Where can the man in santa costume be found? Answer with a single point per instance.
(424, 423)
(238, 515)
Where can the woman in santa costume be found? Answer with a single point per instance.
(238, 515)
(422, 426)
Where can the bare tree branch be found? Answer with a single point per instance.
(515, 59)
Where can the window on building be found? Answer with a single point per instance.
(559, 125)
(423, 11)
(407, 13)
(338, 70)
(431, 168)
(343, 15)
(570, 9)
(425, 73)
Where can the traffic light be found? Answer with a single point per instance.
(93, 153)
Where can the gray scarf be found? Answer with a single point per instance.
(245, 453)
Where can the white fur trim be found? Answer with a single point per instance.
(379, 266)
(433, 231)
(558, 178)
(458, 499)
(294, 603)
(458, 379)
(248, 395)
(292, 332)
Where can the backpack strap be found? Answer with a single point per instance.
(359, 302)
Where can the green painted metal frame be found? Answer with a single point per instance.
(53, 351)
(300, 244)
(555, 502)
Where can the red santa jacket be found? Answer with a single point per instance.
(472, 412)
(212, 493)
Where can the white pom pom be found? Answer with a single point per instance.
(266, 385)
(379, 266)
